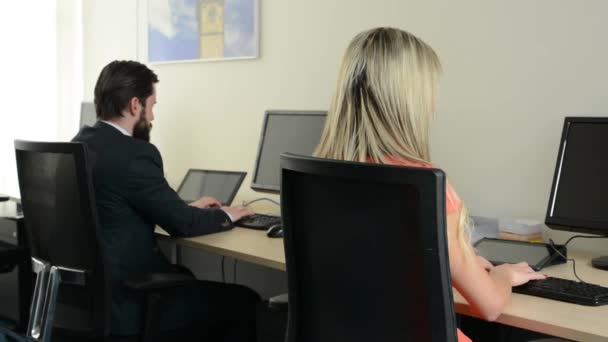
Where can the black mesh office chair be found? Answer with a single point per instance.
(366, 252)
(72, 295)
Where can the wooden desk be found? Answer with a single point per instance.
(577, 322)
(239, 243)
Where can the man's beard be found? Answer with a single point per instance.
(142, 128)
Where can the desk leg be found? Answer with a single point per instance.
(177, 253)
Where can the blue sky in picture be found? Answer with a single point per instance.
(173, 29)
(239, 29)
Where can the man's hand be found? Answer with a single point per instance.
(237, 212)
(206, 202)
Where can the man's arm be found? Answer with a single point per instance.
(150, 194)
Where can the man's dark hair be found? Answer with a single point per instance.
(118, 83)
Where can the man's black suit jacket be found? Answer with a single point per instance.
(132, 197)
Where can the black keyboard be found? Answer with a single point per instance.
(566, 291)
(258, 221)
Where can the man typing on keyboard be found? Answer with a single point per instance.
(132, 196)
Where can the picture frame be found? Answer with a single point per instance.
(185, 31)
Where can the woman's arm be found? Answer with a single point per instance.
(486, 291)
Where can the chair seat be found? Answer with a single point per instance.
(10, 256)
(7, 335)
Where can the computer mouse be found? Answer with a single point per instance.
(275, 231)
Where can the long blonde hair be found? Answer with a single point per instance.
(384, 102)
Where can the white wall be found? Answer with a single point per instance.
(513, 70)
(28, 91)
(109, 33)
(69, 66)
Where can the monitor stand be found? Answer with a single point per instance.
(600, 262)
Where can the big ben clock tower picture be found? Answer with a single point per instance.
(211, 28)
(198, 30)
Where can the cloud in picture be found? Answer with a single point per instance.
(239, 28)
(172, 30)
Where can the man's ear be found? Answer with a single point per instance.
(134, 106)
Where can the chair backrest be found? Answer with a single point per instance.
(63, 230)
(366, 252)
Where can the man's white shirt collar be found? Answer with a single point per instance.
(122, 130)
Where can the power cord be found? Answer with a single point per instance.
(245, 204)
(584, 237)
(552, 244)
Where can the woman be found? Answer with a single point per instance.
(381, 113)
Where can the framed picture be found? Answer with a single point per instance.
(199, 30)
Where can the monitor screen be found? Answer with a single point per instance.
(296, 132)
(579, 195)
(88, 117)
(222, 185)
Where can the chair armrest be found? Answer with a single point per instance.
(158, 281)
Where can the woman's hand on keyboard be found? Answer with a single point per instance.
(516, 274)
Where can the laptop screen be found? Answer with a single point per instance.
(222, 185)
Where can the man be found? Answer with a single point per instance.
(133, 196)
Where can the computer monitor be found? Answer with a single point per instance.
(579, 195)
(222, 185)
(297, 132)
(88, 116)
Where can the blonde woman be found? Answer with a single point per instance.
(381, 113)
